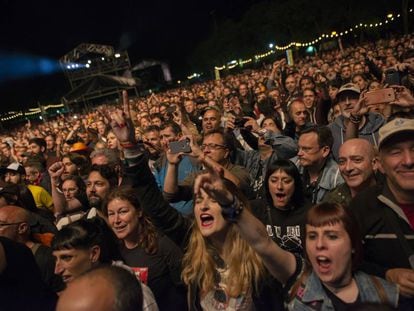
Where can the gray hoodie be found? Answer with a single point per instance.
(368, 132)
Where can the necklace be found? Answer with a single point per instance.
(338, 288)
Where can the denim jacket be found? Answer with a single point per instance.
(330, 178)
(313, 297)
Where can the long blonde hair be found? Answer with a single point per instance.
(244, 265)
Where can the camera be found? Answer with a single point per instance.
(171, 109)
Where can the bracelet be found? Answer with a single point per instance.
(231, 212)
(355, 119)
(59, 190)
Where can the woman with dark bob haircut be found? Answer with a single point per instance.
(285, 209)
(87, 243)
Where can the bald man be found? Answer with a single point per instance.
(357, 164)
(106, 288)
(14, 224)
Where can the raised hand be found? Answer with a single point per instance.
(55, 171)
(212, 183)
(196, 152)
(403, 97)
(360, 107)
(251, 122)
(121, 123)
(230, 122)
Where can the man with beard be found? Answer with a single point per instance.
(152, 141)
(101, 180)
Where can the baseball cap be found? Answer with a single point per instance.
(396, 126)
(78, 146)
(349, 87)
(13, 167)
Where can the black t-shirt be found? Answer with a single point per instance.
(160, 271)
(285, 227)
(339, 304)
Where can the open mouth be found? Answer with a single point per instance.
(280, 196)
(323, 262)
(206, 220)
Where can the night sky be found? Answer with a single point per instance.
(162, 30)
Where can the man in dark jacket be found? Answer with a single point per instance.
(386, 214)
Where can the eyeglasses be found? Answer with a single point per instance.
(4, 224)
(212, 146)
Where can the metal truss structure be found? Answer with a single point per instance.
(88, 61)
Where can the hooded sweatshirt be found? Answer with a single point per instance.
(369, 131)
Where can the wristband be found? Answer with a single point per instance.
(231, 212)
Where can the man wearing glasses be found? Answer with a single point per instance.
(320, 172)
(14, 225)
(215, 149)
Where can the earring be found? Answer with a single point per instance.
(352, 251)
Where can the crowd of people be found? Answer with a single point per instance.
(288, 187)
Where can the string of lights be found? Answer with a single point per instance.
(29, 112)
(333, 34)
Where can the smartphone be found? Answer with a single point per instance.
(171, 109)
(392, 77)
(381, 96)
(180, 146)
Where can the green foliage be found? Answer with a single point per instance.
(281, 22)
